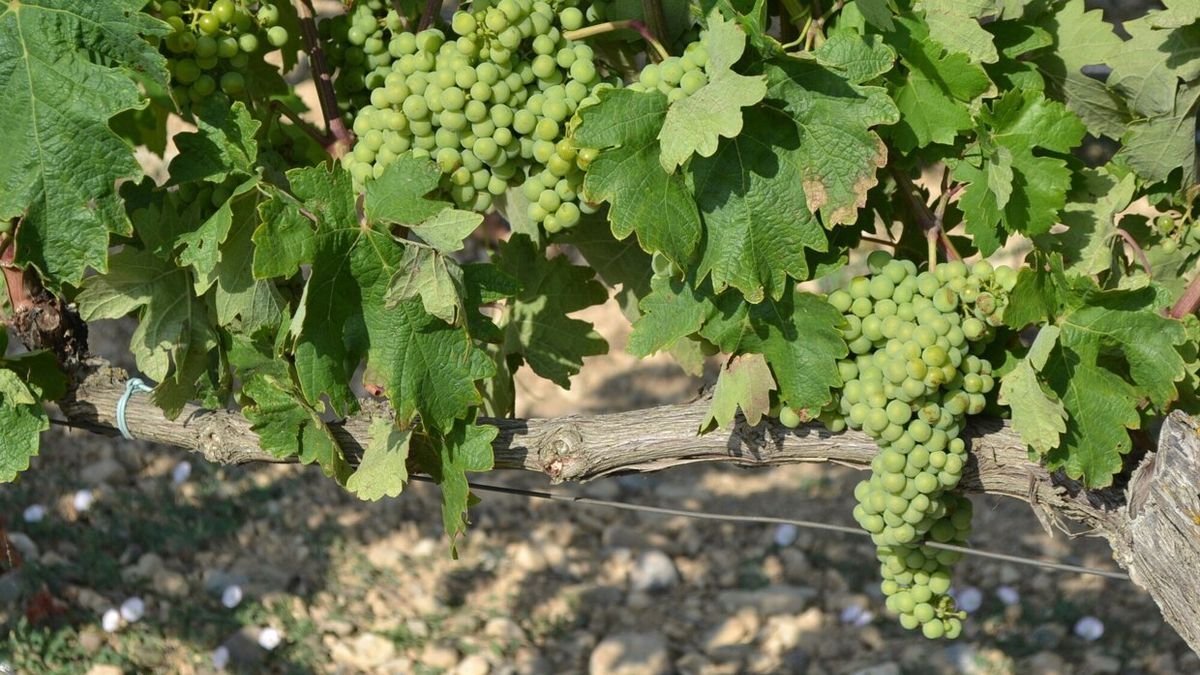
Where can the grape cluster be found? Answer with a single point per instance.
(676, 76)
(913, 374)
(211, 44)
(490, 107)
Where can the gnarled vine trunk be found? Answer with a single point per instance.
(1153, 527)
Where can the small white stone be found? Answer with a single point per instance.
(111, 620)
(850, 613)
(232, 596)
(34, 513)
(1089, 628)
(7, 668)
(83, 500)
(269, 638)
(133, 609)
(785, 535)
(969, 599)
(181, 472)
(220, 657)
(1008, 595)
(865, 618)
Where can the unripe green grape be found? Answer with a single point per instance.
(248, 43)
(789, 418)
(277, 36)
(208, 24)
(233, 83)
(268, 15)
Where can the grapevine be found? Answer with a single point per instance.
(727, 172)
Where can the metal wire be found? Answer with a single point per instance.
(771, 520)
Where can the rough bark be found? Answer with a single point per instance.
(1154, 527)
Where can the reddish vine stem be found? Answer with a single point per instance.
(19, 297)
(1137, 250)
(432, 9)
(876, 240)
(300, 123)
(931, 223)
(1189, 301)
(341, 138)
(656, 21)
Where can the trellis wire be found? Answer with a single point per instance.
(772, 520)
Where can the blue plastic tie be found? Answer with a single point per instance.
(133, 386)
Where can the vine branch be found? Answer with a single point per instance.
(340, 138)
(659, 53)
(1137, 250)
(1189, 301)
(930, 221)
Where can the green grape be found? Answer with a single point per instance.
(789, 418)
(277, 36)
(268, 15)
(209, 24)
(233, 83)
(248, 43)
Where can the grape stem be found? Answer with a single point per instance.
(339, 139)
(432, 9)
(610, 26)
(1187, 302)
(656, 21)
(404, 23)
(19, 298)
(931, 221)
(1137, 250)
(300, 123)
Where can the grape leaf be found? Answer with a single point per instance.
(174, 326)
(244, 303)
(1019, 122)
(446, 229)
(954, 24)
(465, 447)
(674, 309)
(756, 217)
(202, 246)
(424, 365)
(224, 144)
(860, 58)
(1179, 13)
(383, 471)
(876, 12)
(935, 91)
(1037, 415)
(1149, 66)
(21, 426)
(799, 334)
(694, 124)
(643, 197)
(745, 382)
(435, 279)
(287, 426)
(25, 381)
(1156, 146)
(399, 195)
(538, 329)
(64, 68)
(1091, 219)
(838, 151)
(1083, 38)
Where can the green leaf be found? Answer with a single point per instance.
(954, 24)
(756, 217)
(21, 426)
(64, 71)
(1037, 415)
(1179, 13)
(1020, 123)
(244, 303)
(1149, 66)
(287, 426)
(644, 198)
(800, 336)
(447, 459)
(202, 246)
(838, 151)
(446, 230)
(432, 277)
(694, 124)
(383, 471)
(876, 12)
(673, 310)
(860, 58)
(284, 239)
(538, 329)
(400, 194)
(1083, 38)
(1091, 219)
(745, 382)
(1039, 294)
(224, 144)
(1156, 146)
(936, 91)
(13, 390)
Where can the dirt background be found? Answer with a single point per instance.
(540, 587)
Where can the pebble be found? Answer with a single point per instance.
(232, 596)
(439, 656)
(368, 651)
(631, 654)
(653, 571)
(786, 534)
(216, 581)
(101, 471)
(111, 620)
(774, 599)
(505, 629)
(969, 599)
(220, 657)
(1046, 663)
(83, 500)
(133, 609)
(34, 513)
(1008, 595)
(1047, 635)
(147, 567)
(104, 669)
(856, 615)
(24, 545)
(181, 472)
(738, 629)
(90, 640)
(1089, 628)
(170, 583)
(474, 664)
(269, 638)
